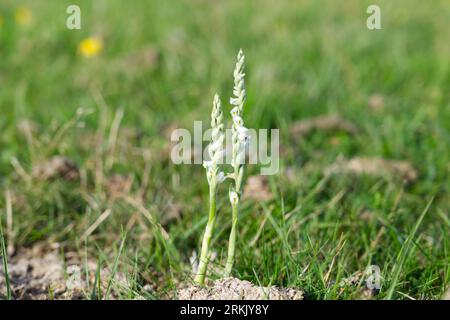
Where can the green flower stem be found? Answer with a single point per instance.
(204, 256)
(232, 241)
(234, 219)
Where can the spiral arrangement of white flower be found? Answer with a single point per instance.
(239, 132)
(240, 140)
(214, 177)
(215, 148)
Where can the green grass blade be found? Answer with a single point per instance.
(5, 263)
(403, 253)
(115, 267)
(96, 293)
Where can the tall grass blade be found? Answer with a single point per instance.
(115, 267)
(5, 263)
(404, 252)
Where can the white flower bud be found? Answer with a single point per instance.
(220, 177)
(215, 148)
(239, 131)
(233, 197)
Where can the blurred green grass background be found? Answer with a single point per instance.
(304, 59)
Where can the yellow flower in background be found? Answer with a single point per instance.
(2, 21)
(23, 16)
(90, 47)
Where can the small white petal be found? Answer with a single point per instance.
(220, 177)
(233, 197)
(207, 164)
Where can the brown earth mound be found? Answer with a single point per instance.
(235, 289)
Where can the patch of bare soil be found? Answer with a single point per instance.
(235, 289)
(257, 188)
(446, 295)
(363, 293)
(37, 275)
(376, 102)
(326, 123)
(118, 185)
(42, 273)
(172, 213)
(56, 167)
(374, 166)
